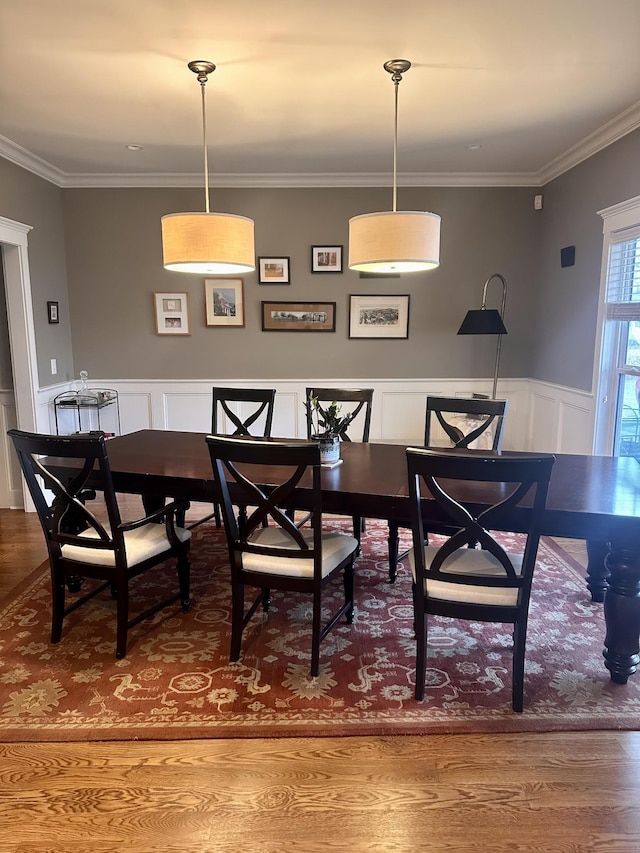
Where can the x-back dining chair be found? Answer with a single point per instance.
(253, 415)
(483, 583)
(357, 402)
(474, 423)
(239, 411)
(81, 545)
(467, 422)
(268, 550)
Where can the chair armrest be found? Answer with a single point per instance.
(168, 511)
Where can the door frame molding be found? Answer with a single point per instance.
(14, 237)
(22, 342)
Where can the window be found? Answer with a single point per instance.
(618, 415)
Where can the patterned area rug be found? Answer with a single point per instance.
(176, 681)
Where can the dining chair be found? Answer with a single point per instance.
(355, 401)
(474, 423)
(484, 583)
(239, 411)
(80, 545)
(280, 555)
(358, 403)
(253, 415)
(466, 422)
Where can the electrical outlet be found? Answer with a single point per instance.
(54, 366)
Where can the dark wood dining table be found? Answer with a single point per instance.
(595, 498)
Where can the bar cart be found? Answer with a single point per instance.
(87, 409)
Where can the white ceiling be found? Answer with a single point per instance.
(300, 97)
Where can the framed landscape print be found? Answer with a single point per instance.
(273, 271)
(172, 313)
(224, 301)
(298, 316)
(378, 316)
(326, 259)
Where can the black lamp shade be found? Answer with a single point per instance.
(483, 321)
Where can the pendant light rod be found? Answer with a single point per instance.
(202, 242)
(393, 241)
(203, 68)
(396, 67)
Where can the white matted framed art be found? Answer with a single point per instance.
(326, 259)
(172, 313)
(378, 316)
(224, 301)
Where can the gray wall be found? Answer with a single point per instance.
(26, 198)
(567, 299)
(113, 256)
(114, 261)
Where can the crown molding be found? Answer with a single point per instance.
(606, 135)
(31, 162)
(609, 133)
(292, 180)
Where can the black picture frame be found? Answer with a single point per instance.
(53, 312)
(326, 259)
(274, 270)
(298, 316)
(379, 316)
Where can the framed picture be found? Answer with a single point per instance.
(172, 313)
(378, 316)
(326, 259)
(224, 301)
(298, 316)
(52, 312)
(273, 270)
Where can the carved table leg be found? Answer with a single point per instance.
(392, 542)
(597, 572)
(622, 611)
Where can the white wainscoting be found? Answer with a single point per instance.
(541, 416)
(561, 419)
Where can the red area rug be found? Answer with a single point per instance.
(176, 681)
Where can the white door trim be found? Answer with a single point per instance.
(15, 255)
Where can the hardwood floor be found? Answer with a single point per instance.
(557, 793)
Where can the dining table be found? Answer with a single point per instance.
(592, 498)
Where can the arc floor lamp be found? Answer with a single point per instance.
(488, 321)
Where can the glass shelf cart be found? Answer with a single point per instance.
(86, 410)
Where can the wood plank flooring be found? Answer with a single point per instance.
(539, 793)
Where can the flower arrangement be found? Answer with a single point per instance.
(327, 422)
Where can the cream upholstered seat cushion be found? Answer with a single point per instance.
(140, 544)
(469, 561)
(336, 546)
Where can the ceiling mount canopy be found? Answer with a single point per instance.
(207, 243)
(394, 241)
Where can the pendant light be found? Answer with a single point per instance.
(392, 241)
(207, 243)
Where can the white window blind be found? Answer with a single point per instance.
(623, 279)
